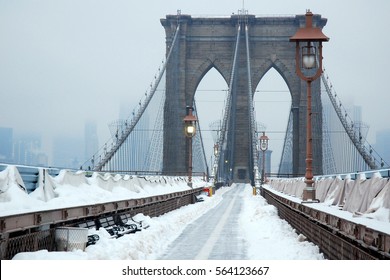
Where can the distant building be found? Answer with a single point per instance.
(382, 145)
(67, 152)
(42, 159)
(91, 140)
(27, 150)
(337, 142)
(6, 139)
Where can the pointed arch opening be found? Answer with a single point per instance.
(210, 97)
(272, 101)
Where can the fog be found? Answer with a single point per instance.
(63, 63)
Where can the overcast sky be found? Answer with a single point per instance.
(65, 62)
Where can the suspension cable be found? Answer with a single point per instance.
(120, 140)
(251, 106)
(222, 136)
(367, 156)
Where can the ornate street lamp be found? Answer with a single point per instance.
(263, 147)
(308, 59)
(214, 171)
(216, 147)
(189, 131)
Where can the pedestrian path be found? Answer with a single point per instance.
(215, 235)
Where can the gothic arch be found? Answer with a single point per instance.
(203, 68)
(210, 42)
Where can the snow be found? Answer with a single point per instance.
(70, 189)
(368, 199)
(266, 236)
(271, 237)
(259, 222)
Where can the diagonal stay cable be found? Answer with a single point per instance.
(107, 157)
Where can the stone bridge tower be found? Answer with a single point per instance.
(207, 42)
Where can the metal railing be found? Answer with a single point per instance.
(337, 238)
(34, 231)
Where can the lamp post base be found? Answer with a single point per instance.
(309, 195)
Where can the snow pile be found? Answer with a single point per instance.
(149, 243)
(362, 196)
(271, 237)
(70, 189)
(266, 236)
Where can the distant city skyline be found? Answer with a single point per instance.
(57, 73)
(382, 144)
(27, 148)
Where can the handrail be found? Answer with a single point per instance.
(321, 227)
(17, 222)
(385, 173)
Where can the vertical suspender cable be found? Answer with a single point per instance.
(204, 159)
(222, 136)
(361, 149)
(107, 157)
(250, 105)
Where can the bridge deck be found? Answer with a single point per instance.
(215, 235)
(240, 227)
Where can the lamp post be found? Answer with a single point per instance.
(214, 173)
(263, 147)
(216, 147)
(189, 131)
(308, 60)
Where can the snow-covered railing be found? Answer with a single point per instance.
(365, 194)
(338, 235)
(73, 197)
(353, 206)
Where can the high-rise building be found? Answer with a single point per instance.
(91, 140)
(382, 145)
(27, 150)
(6, 139)
(67, 152)
(340, 150)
